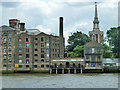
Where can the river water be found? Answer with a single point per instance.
(60, 81)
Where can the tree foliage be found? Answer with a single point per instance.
(107, 51)
(77, 38)
(76, 42)
(77, 52)
(114, 39)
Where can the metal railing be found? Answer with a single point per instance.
(66, 66)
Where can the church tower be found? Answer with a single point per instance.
(96, 34)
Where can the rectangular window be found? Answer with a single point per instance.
(47, 44)
(35, 49)
(4, 39)
(19, 50)
(20, 61)
(36, 55)
(98, 57)
(93, 64)
(4, 50)
(4, 65)
(10, 61)
(10, 50)
(10, 45)
(36, 60)
(47, 66)
(93, 58)
(20, 66)
(27, 39)
(42, 39)
(27, 62)
(42, 55)
(93, 50)
(87, 50)
(42, 66)
(27, 66)
(42, 50)
(42, 44)
(9, 39)
(35, 66)
(27, 44)
(19, 45)
(47, 39)
(4, 34)
(36, 39)
(47, 49)
(98, 49)
(47, 55)
(5, 60)
(27, 50)
(10, 34)
(27, 55)
(5, 44)
(47, 60)
(10, 55)
(36, 44)
(20, 55)
(4, 55)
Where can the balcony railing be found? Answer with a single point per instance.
(66, 66)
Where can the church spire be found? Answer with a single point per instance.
(96, 10)
(96, 22)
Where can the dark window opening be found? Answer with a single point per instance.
(27, 66)
(35, 66)
(42, 55)
(27, 55)
(42, 66)
(36, 55)
(42, 60)
(47, 66)
(42, 39)
(20, 66)
(36, 39)
(27, 39)
(35, 49)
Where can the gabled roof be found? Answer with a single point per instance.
(6, 28)
(92, 44)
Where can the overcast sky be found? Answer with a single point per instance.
(44, 15)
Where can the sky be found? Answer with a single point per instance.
(44, 15)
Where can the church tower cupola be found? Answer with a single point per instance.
(96, 34)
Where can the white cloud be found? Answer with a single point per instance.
(77, 27)
(77, 16)
(42, 29)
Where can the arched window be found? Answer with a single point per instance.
(42, 60)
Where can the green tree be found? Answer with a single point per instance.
(114, 40)
(76, 42)
(77, 52)
(77, 38)
(107, 51)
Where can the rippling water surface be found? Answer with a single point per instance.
(61, 81)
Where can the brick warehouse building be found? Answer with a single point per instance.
(29, 49)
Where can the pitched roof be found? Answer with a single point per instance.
(6, 28)
(92, 44)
